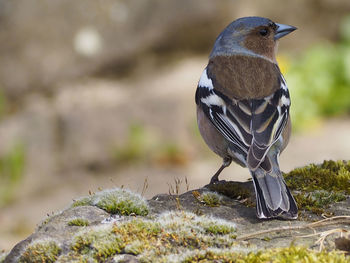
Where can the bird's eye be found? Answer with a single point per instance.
(264, 32)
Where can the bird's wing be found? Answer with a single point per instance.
(252, 126)
(269, 118)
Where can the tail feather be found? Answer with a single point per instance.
(273, 198)
(293, 208)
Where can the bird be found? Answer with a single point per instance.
(243, 108)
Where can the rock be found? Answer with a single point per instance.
(171, 228)
(343, 243)
(56, 228)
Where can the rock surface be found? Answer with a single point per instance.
(200, 203)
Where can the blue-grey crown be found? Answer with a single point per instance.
(230, 39)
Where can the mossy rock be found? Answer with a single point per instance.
(289, 254)
(197, 226)
(208, 198)
(315, 187)
(78, 222)
(3, 256)
(116, 201)
(98, 244)
(41, 252)
(329, 176)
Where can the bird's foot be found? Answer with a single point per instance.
(214, 179)
(226, 162)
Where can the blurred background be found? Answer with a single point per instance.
(96, 94)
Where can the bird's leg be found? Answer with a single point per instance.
(226, 162)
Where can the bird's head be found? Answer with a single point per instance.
(250, 36)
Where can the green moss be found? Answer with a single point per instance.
(78, 222)
(3, 256)
(123, 207)
(99, 243)
(135, 247)
(138, 235)
(119, 201)
(315, 187)
(318, 200)
(282, 255)
(214, 226)
(82, 201)
(152, 239)
(44, 251)
(329, 176)
(73, 257)
(210, 199)
(116, 201)
(176, 237)
(183, 230)
(131, 237)
(218, 229)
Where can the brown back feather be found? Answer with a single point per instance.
(244, 77)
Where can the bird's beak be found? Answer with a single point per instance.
(283, 30)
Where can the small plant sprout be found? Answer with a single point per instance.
(144, 187)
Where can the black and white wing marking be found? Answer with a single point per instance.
(233, 125)
(269, 118)
(252, 126)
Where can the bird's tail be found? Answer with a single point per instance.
(273, 198)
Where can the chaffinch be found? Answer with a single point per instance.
(243, 109)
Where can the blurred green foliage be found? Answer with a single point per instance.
(135, 147)
(2, 104)
(143, 146)
(11, 172)
(319, 81)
